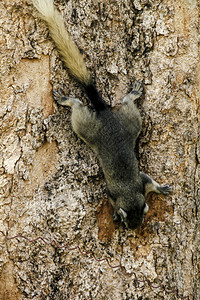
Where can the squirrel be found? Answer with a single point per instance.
(111, 134)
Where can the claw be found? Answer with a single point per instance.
(137, 89)
(165, 189)
(59, 96)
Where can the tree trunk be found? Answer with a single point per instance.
(64, 243)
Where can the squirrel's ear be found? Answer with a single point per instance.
(122, 214)
(146, 208)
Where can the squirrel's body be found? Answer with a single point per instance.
(111, 135)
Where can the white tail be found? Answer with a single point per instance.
(65, 45)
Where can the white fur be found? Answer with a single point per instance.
(65, 45)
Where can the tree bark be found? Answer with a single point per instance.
(64, 243)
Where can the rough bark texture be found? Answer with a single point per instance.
(51, 185)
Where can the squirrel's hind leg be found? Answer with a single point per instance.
(65, 101)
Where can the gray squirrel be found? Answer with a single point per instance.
(111, 135)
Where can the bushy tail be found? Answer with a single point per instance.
(65, 45)
(68, 50)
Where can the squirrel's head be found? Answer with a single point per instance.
(129, 205)
(133, 217)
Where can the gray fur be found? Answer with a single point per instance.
(112, 136)
(151, 186)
